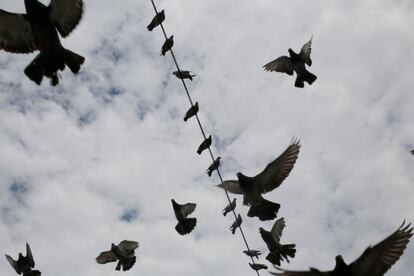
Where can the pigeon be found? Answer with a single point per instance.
(214, 166)
(296, 62)
(167, 45)
(270, 178)
(24, 265)
(204, 145)
(374, 261)
(184, 75)
(236, 224)
(157, 20)
(278, 251)
(191, 112)
(230, 207)
(38, 30)
(185, 225)
(124, 253)
(252, 253)
(258, 267)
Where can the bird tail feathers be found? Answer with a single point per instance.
(264, 210)
(309, 77)
(34, 71)
(73, 61)
(186, 226)
(288, 250)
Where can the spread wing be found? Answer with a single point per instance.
(187, 209)
(277, 229)
(106, 257)
(310, 272)
(231, 186)
(377, 260)
(306, 51)
(127, 246)
(15, 33)
(29, 256)
(275, 172)
(13, 263)
(66, 14)
(282, 64)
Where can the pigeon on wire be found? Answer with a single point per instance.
(168, 44)
(38, 30)
(374, 261)
(294, 63)
(258, 267)
(156, 21)
(252, 253)
(278, 251)
(124, 253)
(204, 145)
(24, 265)
(191, 112)
(214, 166)
(185, 225)
(236, 224)
(230, 207)
(270, 178)
(184, 75)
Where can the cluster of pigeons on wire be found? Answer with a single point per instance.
(39, 29)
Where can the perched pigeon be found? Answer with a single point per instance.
(270, 178)
(167, 45)
(214, 166)
(278, 251)
(191, 112)
(185, 225)
(24, 265)
(230, 207)
(157, 20)
(375, 261)
(296, 62)
(38, 30)
(236, 224)
(124, 253)
(184, 75)
(252, 253)
(204, 145)
(258, 267)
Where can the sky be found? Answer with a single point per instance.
(98, 158)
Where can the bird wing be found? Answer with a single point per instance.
(310, 272)
(127, 246)
(275, 172)
(187, 209)
(13, 263)
(377, 260)
(282, 64)
(277, 229)
(306, 51)
(29, 256)
(106, 257)
(231, 186)
(66, 14)
(15, 33)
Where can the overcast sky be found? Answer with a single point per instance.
(97, 159)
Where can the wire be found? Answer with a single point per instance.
(202, 130)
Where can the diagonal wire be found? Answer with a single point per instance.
(202, 130)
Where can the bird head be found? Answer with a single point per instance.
(291, 52)
(339, 260)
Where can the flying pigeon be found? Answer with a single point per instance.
(252, 253)
(185, 225)
(278, 251)
(296, 62)
(24, 265)
(258, 267)
(236, 224)
(38, 30)
(375, 261)
(167, 45)
(204, 145)
(191, 112)
(124, 253)
(270, 178)
(230, 207)
(157, 20)
(214, 166)
(184, 75)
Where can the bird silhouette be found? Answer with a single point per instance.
(191, 112)
(214, 166)
(230, 207)
(258, 267)
(168, 44)
(252, 253)
(236, 224)
(124, 253)
(184, 75)
(24, 265)
(204, 145)
(157, 20)
(185, 225)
